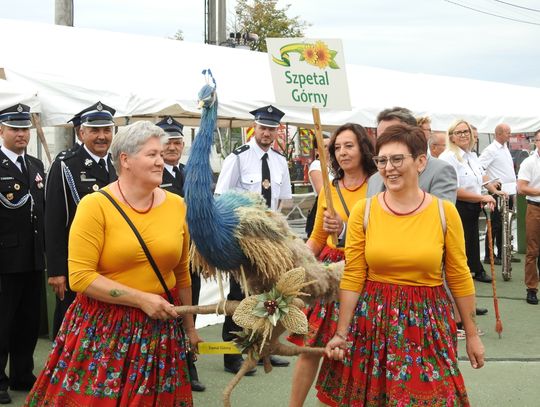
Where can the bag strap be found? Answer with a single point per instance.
(342, 199)
(366, 213)
(143, 245)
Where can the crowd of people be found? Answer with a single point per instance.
(107, 223)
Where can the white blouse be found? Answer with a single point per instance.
(469, 171)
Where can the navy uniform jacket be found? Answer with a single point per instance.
(21, 229)
(171, 184)
(86, 177)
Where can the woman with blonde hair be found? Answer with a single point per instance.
(471, 176)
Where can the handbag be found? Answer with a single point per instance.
(143, 245)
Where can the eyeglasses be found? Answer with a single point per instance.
(396, 160)
(462, 133)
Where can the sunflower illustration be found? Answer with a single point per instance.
(309, 54)
(323, 55)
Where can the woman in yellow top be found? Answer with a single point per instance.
(351, 158)
(121, 342)
(395, 343)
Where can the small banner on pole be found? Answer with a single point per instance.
(309, 72)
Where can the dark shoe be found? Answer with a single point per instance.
(275, 361)
(23, 386)
(4, 397)
(482, 277)
(531, 297)
(481, 311)
(197, 386)
(496, 261)
(234, 365)
(515, 260)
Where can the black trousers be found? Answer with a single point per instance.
(20, 300)
(496, 228)
(195, 293)
(235, 294)
(60, 310)
(469, 212)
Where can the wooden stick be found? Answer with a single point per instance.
(224, 307)
(37, 122)
(324, 167)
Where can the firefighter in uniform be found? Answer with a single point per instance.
(75, 173)
(255, 167)
(21, 251)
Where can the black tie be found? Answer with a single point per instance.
(266, 186)
(176, 171)
(102, 164)
(20, 160)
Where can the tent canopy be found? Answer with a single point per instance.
(147, 77)
(11, 94)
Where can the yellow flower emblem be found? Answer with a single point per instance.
(323, 55)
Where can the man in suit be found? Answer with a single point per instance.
(21, 251)
(255, 167)
(438, 178)
(173, 181)
(75, 173)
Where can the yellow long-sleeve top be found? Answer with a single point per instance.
(406, 250)
(102, 243)
(351, 198)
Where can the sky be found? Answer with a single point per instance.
(418, 36)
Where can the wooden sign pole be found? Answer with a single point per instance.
(324, 167)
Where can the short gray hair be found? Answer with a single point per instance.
(130, 139)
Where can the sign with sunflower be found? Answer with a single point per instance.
(309, 72)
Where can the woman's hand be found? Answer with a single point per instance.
(475, 351)
(489, 201)
(157, 307)
(336, 348)
(332, 224)
(194, 338)
(59, 286)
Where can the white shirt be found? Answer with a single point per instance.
(469, 171)
(170, 168)
(497, 161)
(316, 166)
(243, 172)
(529, 171)
(12, 156)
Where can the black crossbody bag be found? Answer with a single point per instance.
(143, 245)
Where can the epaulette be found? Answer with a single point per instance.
(241, 149)
(64, 155)
(275, 151)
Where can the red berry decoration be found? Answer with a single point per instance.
(271, 306)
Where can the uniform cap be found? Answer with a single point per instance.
(171, 127)
(97, 115)
(17, 116)
(269, 116)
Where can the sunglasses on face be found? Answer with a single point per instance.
(396, 160)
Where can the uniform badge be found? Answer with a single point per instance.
(19, 108)
(9, 196)
(169, 121)
(270, 110)
(266, 184)
(5, 163)
(95, 187)
(16, 187)
(99, 107)
(88, 162)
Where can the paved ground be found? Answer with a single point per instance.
(511, 376)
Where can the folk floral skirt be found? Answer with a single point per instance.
(112, 355)
(404, 352)
(322, 316)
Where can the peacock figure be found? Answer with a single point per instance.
(236, 231)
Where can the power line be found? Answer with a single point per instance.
(515, 5)
(492, 14)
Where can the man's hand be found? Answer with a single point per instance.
(58, 285)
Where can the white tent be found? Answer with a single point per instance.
(11, 94)
(146, 76)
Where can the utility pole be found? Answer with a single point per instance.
(63, 15)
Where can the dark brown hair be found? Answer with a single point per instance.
(366, 150)
(413, 137)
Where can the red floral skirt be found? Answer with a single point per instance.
(322, 316)
(403, 352)
(113, 355)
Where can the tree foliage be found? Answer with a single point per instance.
(264, 18)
